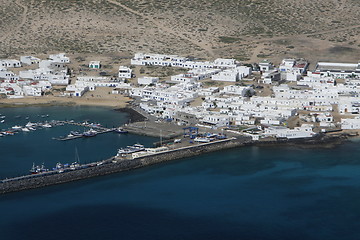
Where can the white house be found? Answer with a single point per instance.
(10, 63)
(266, 65)
(350, 123)
(147, 80)
(32, 91)
(60, 58)
(125, 72)
(29, 60)
(76, 90)
(94, 64)
(228, 75)
(305, 131)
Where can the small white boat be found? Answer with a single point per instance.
(46, 125)
(30, 124)
(25, 129)
(2, 121)
(202, 139)
(31, 128)
(16, 127)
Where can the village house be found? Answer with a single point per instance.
(94, 64)
(10, 63)
(59, 58)
(125, 72)
(29, 60)
(147, 80)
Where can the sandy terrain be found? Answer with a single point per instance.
(99, 97)
(249, 30)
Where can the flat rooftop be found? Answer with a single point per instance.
(329, 66)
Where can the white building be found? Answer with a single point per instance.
(125, 72)
(147, 80)
(350, 123)
(338, 70)
(266, 65)
(29, 60)
(32, 91)
(94, 64)
(305, 131)
(10, 63)
(59, 58)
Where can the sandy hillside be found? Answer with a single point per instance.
(248, 30)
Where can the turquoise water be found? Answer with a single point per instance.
(246, 193)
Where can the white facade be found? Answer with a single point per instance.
(29, 60)
(60, 58)
(94, 64)
(125, 72)
(305, 131)
(10, 63)
(350, 123)
(147, 80)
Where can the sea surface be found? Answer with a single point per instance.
(255, 193)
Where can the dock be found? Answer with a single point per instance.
(99, 130)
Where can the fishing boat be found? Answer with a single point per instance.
(38, 169)
(202, 139)
(120, 130)
(16, 127)
(90, 133)
(76, 133)
(30, 124)
(131, 149)
(46, 125)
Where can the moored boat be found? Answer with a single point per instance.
(90, 133)
(120, 130)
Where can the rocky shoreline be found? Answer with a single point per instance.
(134, 116)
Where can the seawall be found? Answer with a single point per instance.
(109, 166)
(115, 165)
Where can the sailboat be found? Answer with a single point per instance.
(75, 164)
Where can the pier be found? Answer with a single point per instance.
(114, 165)
(99, 130)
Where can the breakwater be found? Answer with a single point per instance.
(114, 165)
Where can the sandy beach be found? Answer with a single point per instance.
(99, 97)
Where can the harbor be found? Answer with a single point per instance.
(115, 164)
(137, 156)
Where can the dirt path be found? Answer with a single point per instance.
(256, 52)
(23, 20)
(204, 46)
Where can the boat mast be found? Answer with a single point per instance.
(77, 158)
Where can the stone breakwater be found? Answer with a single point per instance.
(114, 165)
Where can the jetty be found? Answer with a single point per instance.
(116, 164)
(152, 156)
(99, 130)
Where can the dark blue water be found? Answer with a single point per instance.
(247, 193)
(18, 152)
